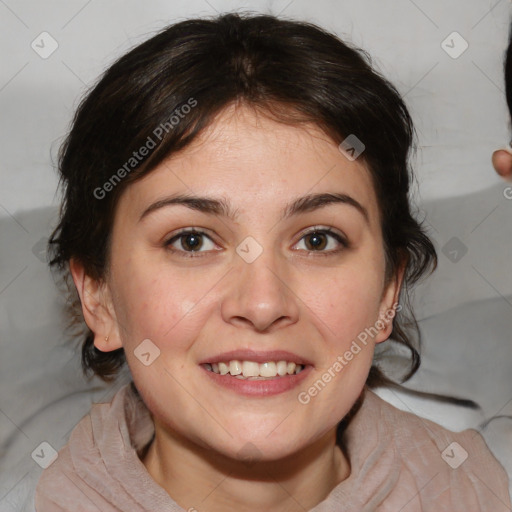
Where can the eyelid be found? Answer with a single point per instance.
(327, 230)
(324, 229)
(340, 237)
(176, 235)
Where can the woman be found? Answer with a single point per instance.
(237, 226)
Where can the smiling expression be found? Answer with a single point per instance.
(259, 242)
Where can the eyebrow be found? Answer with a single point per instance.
(221, 207)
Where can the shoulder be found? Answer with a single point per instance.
(453, 466)
(58, 488)
(411, 432)
(77, 473)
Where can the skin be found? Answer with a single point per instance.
(294, 297)
(502, 163)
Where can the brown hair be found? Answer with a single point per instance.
(292, 71)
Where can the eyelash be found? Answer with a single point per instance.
(317, 230)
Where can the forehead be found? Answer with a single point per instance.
(244, 155)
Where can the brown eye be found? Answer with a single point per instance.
(324, 241)
(190, 241)
(316, 241)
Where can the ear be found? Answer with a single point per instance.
(389, 306)
(502, 163)
(97, 308)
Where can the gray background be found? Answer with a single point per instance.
(457, 104)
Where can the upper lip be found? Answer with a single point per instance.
(256, 356)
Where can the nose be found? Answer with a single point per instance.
(259, 296)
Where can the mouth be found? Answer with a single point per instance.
(256, 374)
(251, 370)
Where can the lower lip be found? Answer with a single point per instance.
(267, 387)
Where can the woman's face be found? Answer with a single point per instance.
(252, 278)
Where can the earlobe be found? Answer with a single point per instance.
(384, 325)
(96, 308)
(389, 306)
(502, 163)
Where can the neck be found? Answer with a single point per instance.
(199, 478)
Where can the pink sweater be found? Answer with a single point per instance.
(399, 462)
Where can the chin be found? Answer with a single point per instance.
(264, 451)
(266, 447)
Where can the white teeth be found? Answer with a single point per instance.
(251, 369)
(235, 367)
(268, 369)
(282, 368)
(291, 368)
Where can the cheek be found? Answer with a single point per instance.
(154, 303)
(347, 302)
